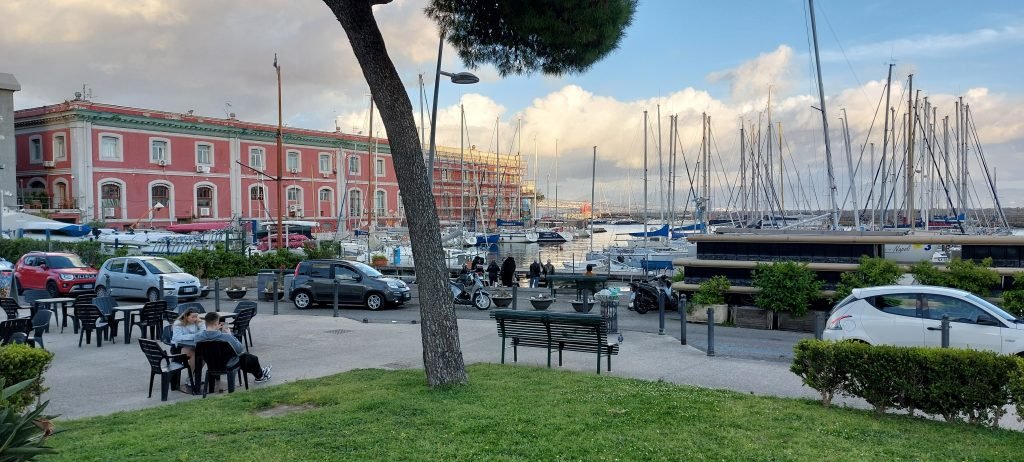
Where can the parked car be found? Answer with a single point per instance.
(139, 277)
(358, 284)
(911, 316)
(58, 273)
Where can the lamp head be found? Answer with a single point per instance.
(461, 77)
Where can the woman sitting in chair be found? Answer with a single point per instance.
(185, 329)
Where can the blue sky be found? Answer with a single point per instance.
(688, 56)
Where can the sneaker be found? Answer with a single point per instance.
(266, 375)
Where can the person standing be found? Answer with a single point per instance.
(492, 272)
(549, 268)
(534, 273)
(508, 271)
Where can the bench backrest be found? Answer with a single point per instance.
(558, 327)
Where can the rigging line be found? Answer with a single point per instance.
(811, 81)
(863, 147)
(949, 200)
(793, 168)
(984, 165)
(721, 165)
(846, 58)
(817, 199)
(691, 193)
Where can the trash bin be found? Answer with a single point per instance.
(289, 278)
(609, 300)
(265, 280)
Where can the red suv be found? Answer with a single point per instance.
(56, 272)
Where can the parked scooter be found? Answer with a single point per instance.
(645, 294)
(468, 289)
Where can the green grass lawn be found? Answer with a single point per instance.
(515, 413)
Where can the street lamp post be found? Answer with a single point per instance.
(459, 78)
(3, 194)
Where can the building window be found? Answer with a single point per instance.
(158, 152)
(161, 195)
(353, 165)
(110, 147)
(35, 150)
(204, 196)
(257, 193)
(293, 161)
(380, 203)
(110, 199)
(257, 158)
(204, 154)
(326, 205)
(325, 163)
(444, 174)
(355, 203)
(293, 194)
(380, 167)
(60, 148)
(325, 194)
(60, 194)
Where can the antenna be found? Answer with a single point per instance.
(228, 114)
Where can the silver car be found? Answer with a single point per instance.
(140, 277)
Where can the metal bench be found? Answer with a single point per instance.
(578, 281)
(586, 333)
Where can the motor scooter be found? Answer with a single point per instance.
(644, 295)
(468, 289)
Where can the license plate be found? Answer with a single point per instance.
(86, 286)
(188, 290)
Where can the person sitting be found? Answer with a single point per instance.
(590, 270)
(215, 331)
(185, 329)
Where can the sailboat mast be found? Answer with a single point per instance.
(661, 171)
(743, 175)
(824, 122)
(536, 181)
(885, 146)
(556, 178)
(911, 119)
(645, 172)
(593, 176)
(782, 178)
(462, 165)
(849, 166)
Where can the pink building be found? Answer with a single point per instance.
(82, 162)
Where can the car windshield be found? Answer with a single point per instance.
(161, 266)
(994, 309)
(368, 270)
(63, 262)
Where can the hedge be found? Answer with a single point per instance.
(19, 363)
(959, 385)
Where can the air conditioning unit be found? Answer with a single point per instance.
(326, 174)
(293, 170)
(204, 211)
(49, 164)
(202, 169)
(108, 212)
(293, 208)
(161, 162)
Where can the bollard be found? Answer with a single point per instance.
(161, 296)
(661, 312)
(711, 332)
(819, 325)
(515, 296)
(682, 320)
(945, 331)
(336, 286)
(216, 294)
(274, 294)
(110, 290)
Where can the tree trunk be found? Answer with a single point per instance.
(442, 354)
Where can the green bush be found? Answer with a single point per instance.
(712, 291)
(679, 276)
(19, 363)
(22, 437)
(786, 287)
(960, 385)
(322, 250)
(1013, 299)
(926, 273)
(872, 271)
(280, 258)
(216, 263)
(978, 279)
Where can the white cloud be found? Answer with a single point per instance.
(929, 45)
(752, 78)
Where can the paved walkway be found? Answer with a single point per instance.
(91, 381)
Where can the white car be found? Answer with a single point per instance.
(912, 315)
(139, 277)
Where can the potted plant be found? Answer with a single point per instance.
(710, 294)
(583, 306)
(787, 288)
(501, 297)
(235, 291)
(378, 260)
(268, 291)
(541, 302)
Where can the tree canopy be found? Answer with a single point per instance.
(521, 36)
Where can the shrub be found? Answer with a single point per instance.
(712, 291)
(22, 437)
(872, 271)
(19, 363)
(280, 258)
(216, 263)
(960, 385)
(679, 276)
(786, 287)
(926, 273)
(1013, 299)
(322, 250)
(977, 279)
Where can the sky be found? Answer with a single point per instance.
(678, 57)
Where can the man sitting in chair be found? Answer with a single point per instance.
(216, 331)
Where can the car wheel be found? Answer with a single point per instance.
(374, 301)
(51, 287)
(302, 300)
(101, 291)
(152, 295)
(481, 301)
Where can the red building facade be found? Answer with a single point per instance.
(80, 161)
